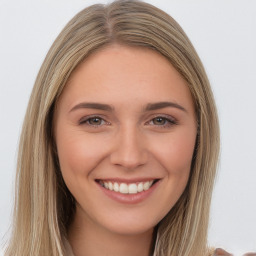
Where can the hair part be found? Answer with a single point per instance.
(44, 206)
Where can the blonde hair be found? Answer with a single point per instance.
(44, 206)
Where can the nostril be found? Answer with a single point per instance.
(129, 151)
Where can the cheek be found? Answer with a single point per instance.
(78, 154)
(175, 152)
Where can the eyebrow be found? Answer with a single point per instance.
(149, 106)
(164, 104)
(92, 105)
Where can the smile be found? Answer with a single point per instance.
(124, 188)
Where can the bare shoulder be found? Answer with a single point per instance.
(221, 252)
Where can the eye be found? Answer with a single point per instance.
(159, 120)
(162, 121)
(94, 121)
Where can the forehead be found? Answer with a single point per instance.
(121, 72)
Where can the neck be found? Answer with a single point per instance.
(88, 239)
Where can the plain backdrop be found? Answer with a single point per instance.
(224, 34)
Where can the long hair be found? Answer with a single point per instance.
(44, 206)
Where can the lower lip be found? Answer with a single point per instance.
(129, 198)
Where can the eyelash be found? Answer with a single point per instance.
(168, 121)
(88, 119)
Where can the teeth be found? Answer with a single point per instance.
(133, 189)
(124, 188)
(106, 184)
(116, 187)
(146, 185)
(140, 187)
(110, 186)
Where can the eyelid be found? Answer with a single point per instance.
(85, 119)
(170, 119)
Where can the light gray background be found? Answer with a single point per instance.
(224, 34)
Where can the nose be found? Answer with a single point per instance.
(130, 151)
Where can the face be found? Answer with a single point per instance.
(125, 132)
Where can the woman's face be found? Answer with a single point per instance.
(125, 131)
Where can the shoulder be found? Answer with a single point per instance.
(220, 252)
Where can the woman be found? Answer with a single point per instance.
(120, 141)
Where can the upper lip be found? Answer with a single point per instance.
(131, 180)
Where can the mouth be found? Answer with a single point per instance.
(127, 188)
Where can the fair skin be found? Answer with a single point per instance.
(126, 118)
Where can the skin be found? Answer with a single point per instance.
(221, 252)
(127, 141)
